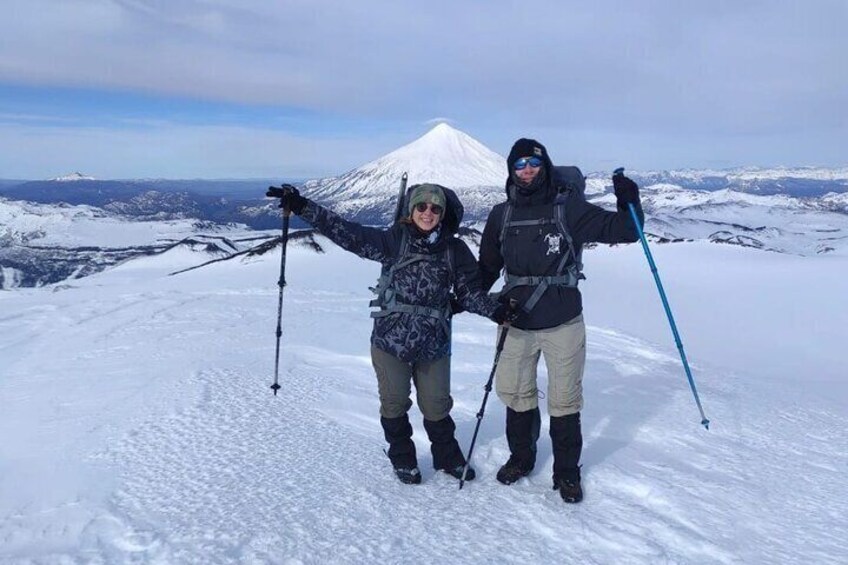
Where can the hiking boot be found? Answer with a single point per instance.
(569, 489)
(456, 473)
(514, 469)
(408, 476)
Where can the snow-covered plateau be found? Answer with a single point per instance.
(138, 425)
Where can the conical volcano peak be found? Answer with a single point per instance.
(443, 130)
(447, 156)
(443, 155)
(444, 137)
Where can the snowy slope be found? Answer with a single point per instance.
(149, 433)
(68, 226)
(48, 243)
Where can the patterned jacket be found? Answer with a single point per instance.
(413, 337)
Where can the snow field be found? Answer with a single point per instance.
(140, 427)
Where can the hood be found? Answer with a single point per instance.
(453, 209)
(526, 147)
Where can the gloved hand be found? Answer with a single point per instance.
(289, 197)
(626, 191)
(506, 313)
(456, 307)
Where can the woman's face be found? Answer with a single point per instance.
(426, 216)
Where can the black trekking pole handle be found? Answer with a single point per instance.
(488, 389)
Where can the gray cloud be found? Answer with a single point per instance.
(736, 72)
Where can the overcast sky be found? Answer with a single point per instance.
(306, 88)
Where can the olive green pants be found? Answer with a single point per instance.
(395, 379)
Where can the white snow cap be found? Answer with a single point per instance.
(72, 177)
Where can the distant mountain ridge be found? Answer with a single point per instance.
(798, 182)
(367, 194)
(680, 204)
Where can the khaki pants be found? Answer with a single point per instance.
(564, 348)
(394, 382)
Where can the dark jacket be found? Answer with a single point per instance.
(413, 337)
(527, 252)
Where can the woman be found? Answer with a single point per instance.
(423, 261)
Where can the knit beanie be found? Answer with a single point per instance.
(431, 193)
(527, 148)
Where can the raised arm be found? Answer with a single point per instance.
(376, 244)
(589, 222)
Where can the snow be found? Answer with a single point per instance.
(71, 177)
(71, 226)
(138, 426)
(745, 174)
(444, 155)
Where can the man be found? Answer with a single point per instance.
(535, 237)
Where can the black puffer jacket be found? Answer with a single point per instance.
(528, 251)
(413, 337)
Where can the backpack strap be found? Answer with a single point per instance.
(559, 217)
(567, 274)
(505, 223)
(450, 259)
(386, 299)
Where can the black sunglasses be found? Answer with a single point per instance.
(435, 208)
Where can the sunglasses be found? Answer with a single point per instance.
(534, 162)
(435, 208)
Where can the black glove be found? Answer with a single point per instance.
(505, 313)
(289, 197)
(456, 307)
(626, 191)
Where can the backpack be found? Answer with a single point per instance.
(570, 182)
(568, 178)
(386, 299)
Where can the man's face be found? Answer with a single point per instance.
(526, 169)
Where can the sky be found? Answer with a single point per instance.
(305, 89)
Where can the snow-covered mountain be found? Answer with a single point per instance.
(444, 155)
(799, 182)
(71, 177)
(42, 244)
(797, 211)
(800, 226)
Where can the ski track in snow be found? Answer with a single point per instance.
(185, 456)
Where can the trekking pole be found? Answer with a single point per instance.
(399, 211)
(704, 421)
(281, 283)
(488, 389)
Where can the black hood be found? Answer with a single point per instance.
(525, 147)
(453, 208)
